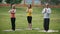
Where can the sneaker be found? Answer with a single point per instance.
(45, 31)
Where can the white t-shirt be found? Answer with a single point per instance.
(46, 12)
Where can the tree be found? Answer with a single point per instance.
(46, 1)
(7, 1)
(43, 1)
(55, 2)
(0, 1)
(18, 1)
(13, 1)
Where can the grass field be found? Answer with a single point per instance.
(21, 21)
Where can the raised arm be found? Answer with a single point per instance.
(43, 11)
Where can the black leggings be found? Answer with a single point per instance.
(13, 23)
(46, 24)
(29, 19)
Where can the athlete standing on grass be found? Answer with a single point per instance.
(29, 17)
(13, 18)
(46, 12)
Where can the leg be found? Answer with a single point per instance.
(29, 22)
(46, 24)
(13, 23)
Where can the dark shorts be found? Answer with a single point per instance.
(29, 19)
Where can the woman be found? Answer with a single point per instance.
(13, 18)
(29, 16)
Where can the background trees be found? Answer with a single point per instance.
(53, 2)
(13, 1)
(0, 1)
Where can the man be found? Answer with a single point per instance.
(46, 12)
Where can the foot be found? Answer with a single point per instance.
(29, 28)
(13, 29)
(45, 30)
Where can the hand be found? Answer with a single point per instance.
(45, 10)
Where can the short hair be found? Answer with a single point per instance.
(13, 6)
(47, 4)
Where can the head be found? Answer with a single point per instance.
(13, 6)
(30, 6)
(47, 5)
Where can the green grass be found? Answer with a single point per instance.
(21, 21)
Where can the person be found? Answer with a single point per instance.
(13, 18)
(29, 16)
(46, 12)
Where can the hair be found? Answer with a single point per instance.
(47, 5)
(30, 6)
(13, 6)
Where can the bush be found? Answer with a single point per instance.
(0, 1)
(55, 1)
(18, 1)
(13, 1)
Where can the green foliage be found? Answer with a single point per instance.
(0, 0)
(13, 1)
(44, 1)
(18, 1)
(55, 1)
(7, 1)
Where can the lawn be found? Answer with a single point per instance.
(21, 21)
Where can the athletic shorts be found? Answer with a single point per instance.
(29, 19)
